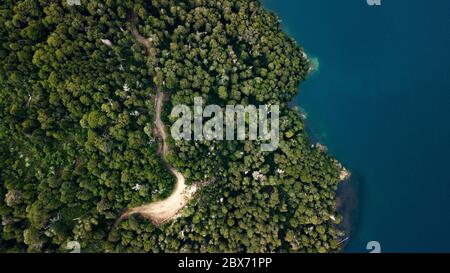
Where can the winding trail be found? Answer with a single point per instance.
(165, 210)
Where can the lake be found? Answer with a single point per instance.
(380, 101)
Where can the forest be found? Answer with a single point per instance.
(77, 143)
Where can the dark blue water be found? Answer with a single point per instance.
(381, 103)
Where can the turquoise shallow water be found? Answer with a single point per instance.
(381, 103)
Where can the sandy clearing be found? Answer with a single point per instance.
(165, 210)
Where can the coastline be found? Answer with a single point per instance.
(346, 202)
(346, 195)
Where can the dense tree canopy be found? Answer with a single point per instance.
(77, 144)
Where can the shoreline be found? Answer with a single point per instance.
(346, 194)
(347, 204)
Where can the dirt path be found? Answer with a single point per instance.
(167, 209)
